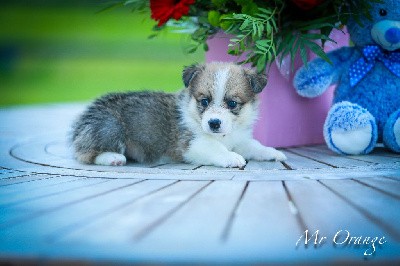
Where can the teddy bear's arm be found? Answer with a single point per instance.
(315, 79)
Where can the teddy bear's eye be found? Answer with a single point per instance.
(382, 12)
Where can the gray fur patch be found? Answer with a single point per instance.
(142, 125)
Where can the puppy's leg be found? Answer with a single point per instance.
(110, 158)
(208, 151)
(251, 149)
(99, 138)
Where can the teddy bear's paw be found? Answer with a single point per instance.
(391, 132)
(350, 129)
(313, 80)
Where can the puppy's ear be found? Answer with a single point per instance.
(256, 80)
(190, 72)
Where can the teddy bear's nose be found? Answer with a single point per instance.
(392, 35)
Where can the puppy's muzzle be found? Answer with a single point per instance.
(214, 124)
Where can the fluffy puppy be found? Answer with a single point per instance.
(209, 122)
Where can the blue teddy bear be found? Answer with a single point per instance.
(366, 107)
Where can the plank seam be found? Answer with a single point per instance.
(17, 202)
(232, 216)
(292, 204)
(313, 159)
(347, 157)
(65, 230)
(387, 193)
(147, 230)
(59, 207)
(391, 178)
(27, 181)
(288, 167)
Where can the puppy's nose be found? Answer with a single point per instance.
(214, 124)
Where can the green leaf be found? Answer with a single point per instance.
(315, 48)
(303, 54)
(261, 63)
(213, 18)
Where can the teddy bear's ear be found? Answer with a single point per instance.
(190, 72)
(256, 80)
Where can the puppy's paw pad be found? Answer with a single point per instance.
(110, 159)
(234, 160)
(280, 156)
(268, 154)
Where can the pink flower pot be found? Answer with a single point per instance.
(285, 119)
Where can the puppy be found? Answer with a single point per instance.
(208, 123)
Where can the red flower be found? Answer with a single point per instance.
(163, 10)
(306, 4)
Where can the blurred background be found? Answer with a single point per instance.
(64, 51)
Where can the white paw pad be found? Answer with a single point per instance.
(268, 154)
(232, 159)
(352, 142)
(279, 156)
(110, 158)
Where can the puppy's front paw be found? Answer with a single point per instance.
(110, 158)
(232, 159)
(268, 154)
(280, 156)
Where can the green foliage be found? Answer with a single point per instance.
(268, 29)
(254, 36)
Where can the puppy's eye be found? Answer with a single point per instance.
(205, 102)
(382, 12)
(231, 104)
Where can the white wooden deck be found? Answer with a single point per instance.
(54, 209)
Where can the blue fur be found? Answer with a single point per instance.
(388, 135)
(377, 94)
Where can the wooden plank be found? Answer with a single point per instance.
(178, 166)
(34, 152)
(208, 213)
(26, 187)
(393, 177)
(8, 161)
(53, 225)
(331, 159)
(373, 157)
(322, 210)
(124, 225)
(269, 165)
(297, 162)
(214, 168)
(31, 209)
(271, 175)
(376, 206)
(24, 179)
(12, 174)
(59, 148)
(20, 197)
(386, 185)
(264, 223)
(385, 152)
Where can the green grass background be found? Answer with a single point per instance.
(60, 54)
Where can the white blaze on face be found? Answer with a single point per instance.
(217, 109)
(221, 77)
